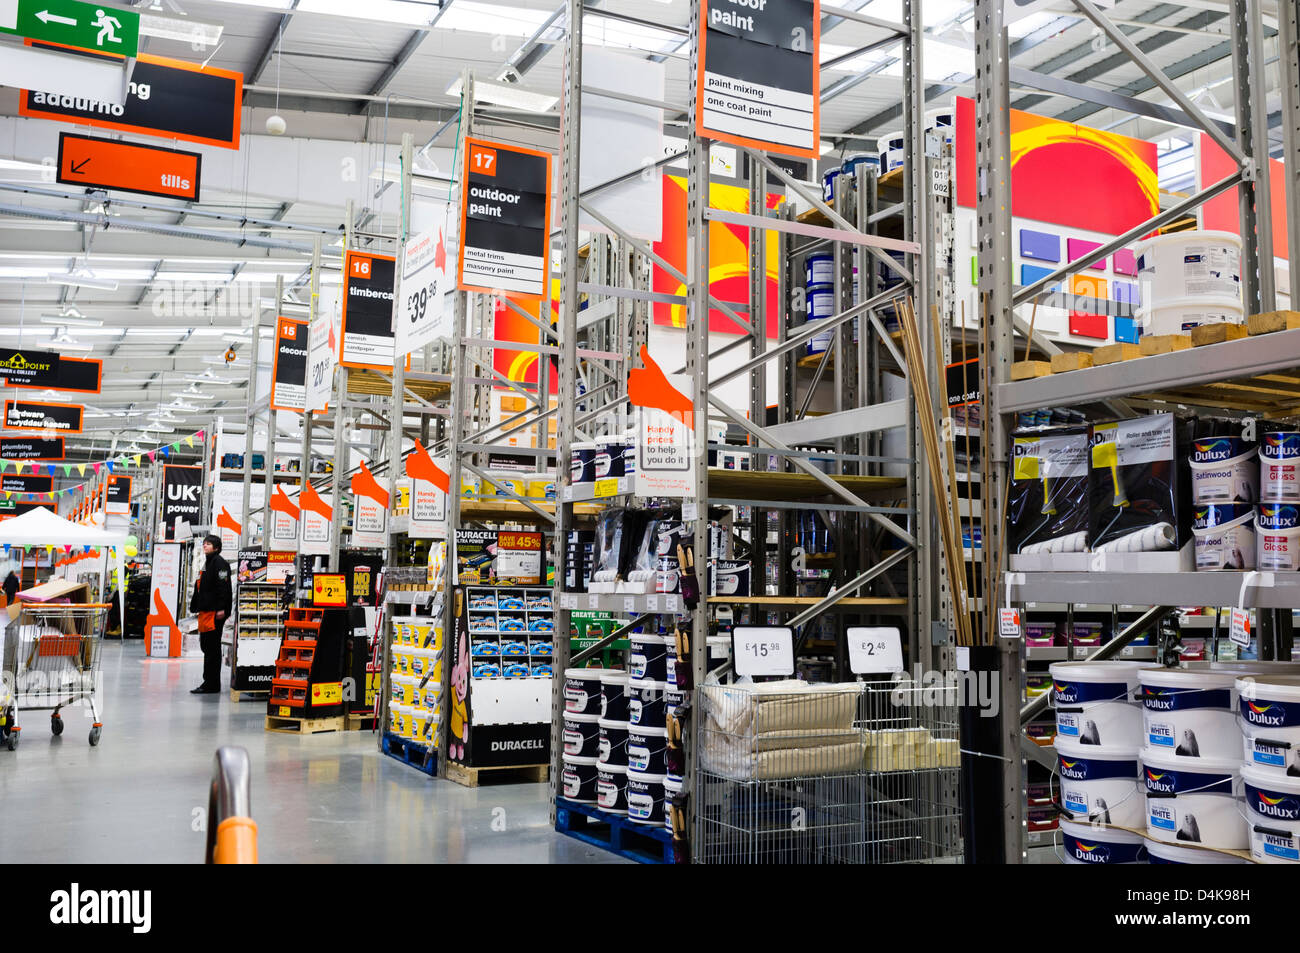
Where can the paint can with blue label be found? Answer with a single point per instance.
(1279, 467)
(1225, 536)
(819, 270)
(1097, 703)
(1194, 800)
(1099, 784)
(829, 178)
(1191, 713)
(1224, 470)
(1273, 811)
(1087, 844)
(1277, 529)
(1268, 713)
(1159, 852)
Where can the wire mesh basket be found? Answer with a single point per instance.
(791, 772)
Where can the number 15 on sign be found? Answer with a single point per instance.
(763, 650)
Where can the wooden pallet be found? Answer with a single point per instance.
(473, 777)
(238, 695)
(305, 726)
(360, 722)
(614, 832)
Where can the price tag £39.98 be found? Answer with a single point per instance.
(763, 650)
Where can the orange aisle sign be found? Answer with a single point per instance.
(128, 167)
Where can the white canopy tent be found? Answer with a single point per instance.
(41, 527)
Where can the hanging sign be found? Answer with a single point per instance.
(70, 373)
(128, 167)
(228, 509)
(25, 368)
(370, 510)
(421, 317)
(316, 513)
(368, 311)
(23, 483)
(168, 98)
(665, 430)
(289, 366)
(164, 596)
(89, 26)
(284, 517)
(430, 484)
(758, 77)
(505, 219)
(321, 352)
(117, 495)
(182, 490)
(23, 448)
(34, 415)
(963, 380)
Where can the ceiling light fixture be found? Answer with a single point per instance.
(504, 95)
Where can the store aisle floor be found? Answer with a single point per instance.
(328, 798)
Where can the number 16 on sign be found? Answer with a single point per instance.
(763, 650)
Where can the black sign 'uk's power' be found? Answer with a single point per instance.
(182, 493)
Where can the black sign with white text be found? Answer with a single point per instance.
(505, 219)
(21, 367)
(367, 311)
(289, 380)
(70, 373)
(758, 76)
(26, 483)
(31, 448)
(182, 494)
(117, 495)
(38, 415)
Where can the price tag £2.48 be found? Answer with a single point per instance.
(873, 651)
(763, 650)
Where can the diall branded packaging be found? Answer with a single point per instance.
(1047, 509)
(1140, 494)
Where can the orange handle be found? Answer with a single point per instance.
(236, 841)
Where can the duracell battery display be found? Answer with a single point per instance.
(1047, 509)
(1140, 490)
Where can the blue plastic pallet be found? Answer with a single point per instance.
(408, 752)
(614, 832)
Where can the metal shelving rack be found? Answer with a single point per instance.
(860, 412)
(1186, 378)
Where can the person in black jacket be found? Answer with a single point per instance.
(212, 602)
(11, 586)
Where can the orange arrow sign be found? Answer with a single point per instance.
(128, 167)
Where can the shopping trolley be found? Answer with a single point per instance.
(51, 659)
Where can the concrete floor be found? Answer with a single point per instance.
(140, 795)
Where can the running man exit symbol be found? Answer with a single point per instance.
(91, 26)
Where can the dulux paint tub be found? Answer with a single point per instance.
(1277, 531)
(1224, 470)
(1273, 811)
(1268, 713)
(1194, 799)
(1090, 844)
(1099, 783)
(1159, 852)
(1225, 536)
(1190, 713)
(1279, 467)
(1096, 703)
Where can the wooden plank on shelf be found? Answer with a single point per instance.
(1205, 334)
(517, 773)
(369, 383)
(1114, 353)
(1271, 321)
(1153, 344)
(1027, 370)
(514, 511)
(1069, 361)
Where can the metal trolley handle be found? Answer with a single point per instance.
(232, 833)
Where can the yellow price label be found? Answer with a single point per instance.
(329, 589)
(284, 711)
(327, 693)
(607, 487)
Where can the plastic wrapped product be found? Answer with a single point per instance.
(1049, 491)
(1139, 500)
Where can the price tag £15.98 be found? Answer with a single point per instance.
(763, 650)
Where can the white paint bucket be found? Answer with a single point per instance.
(1204, 265)
(1225, 536)
(821, 302)
(819, 270)
(892, 148)
(1097, 703)
(1158, 852)
(1194, 799)
(645, 798)
(1273, 812)
(578, 779)
(1099, 783)
(1277, 531)
(611, 788)
(1180, 315)
(1224, 470)
(1279, 467)
(1092, 844)
(1191, 713)
(1268, 710)
(582, 691)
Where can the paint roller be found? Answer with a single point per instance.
(1148, 539)
(1106, 456)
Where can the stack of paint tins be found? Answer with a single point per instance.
(1268, 712)
(1191, 765)
(647, 739)
(820, 291)
(582, 698)
(1098, 734)
(1225, 485)
(611, 769)
(1278, 524)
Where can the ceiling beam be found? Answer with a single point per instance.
(254, 75)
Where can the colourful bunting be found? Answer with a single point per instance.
(137, 459)
(81, 469)
(67, 469)
(152, 455)
(18, 466)
(189, 442)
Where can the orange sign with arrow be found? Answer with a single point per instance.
(128, 167)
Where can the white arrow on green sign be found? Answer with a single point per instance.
(90, 26)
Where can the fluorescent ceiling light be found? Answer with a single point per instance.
(158, 428)
(411, 12)
(71, 317)
(492, 18)
(504, 95)
(81, 279)
(182, 29)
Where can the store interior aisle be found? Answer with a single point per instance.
(140, 796)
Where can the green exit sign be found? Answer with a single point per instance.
(90, 26)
